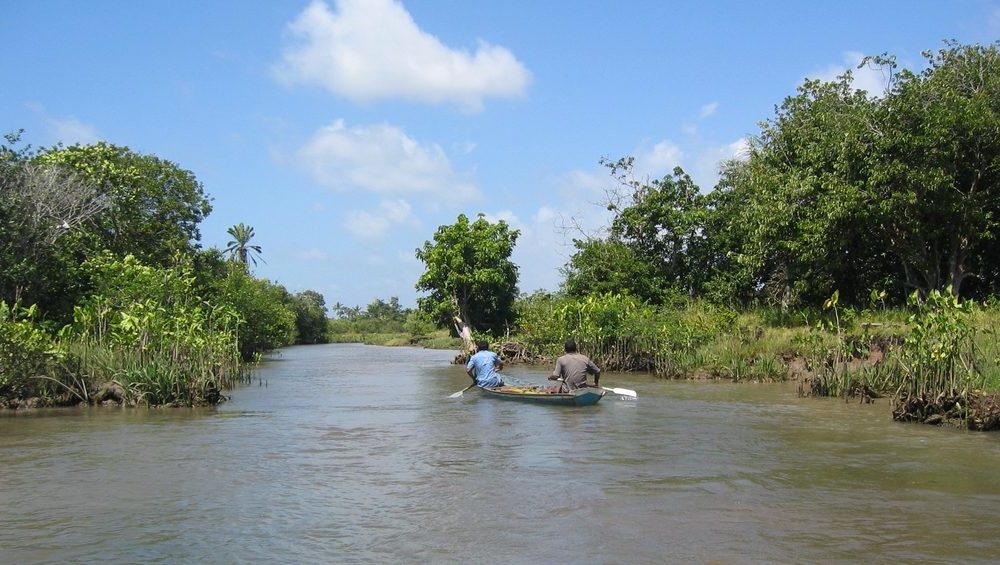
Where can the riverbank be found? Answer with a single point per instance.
(440, 339)
(935, 363)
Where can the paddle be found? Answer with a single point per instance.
(461, 392)
(621, 391)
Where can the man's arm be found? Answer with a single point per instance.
(557, 372)
(596, 371)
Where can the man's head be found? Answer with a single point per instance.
(482, 346)
(570, 346)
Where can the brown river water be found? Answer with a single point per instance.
(355, 454)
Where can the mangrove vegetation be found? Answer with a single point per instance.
(853, 245)
(106, 295)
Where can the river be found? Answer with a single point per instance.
(355, 454)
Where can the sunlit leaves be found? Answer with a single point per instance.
(468, 273)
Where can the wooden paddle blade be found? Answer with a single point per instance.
(622, 392)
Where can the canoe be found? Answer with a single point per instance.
(537, 395)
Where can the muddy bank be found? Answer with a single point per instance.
(973, 410)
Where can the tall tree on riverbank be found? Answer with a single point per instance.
(240, 248)
(41, 207)
(935, 168)
(469, 274)
(847, 192)
(154, 206)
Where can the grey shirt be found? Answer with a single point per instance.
(573, 369)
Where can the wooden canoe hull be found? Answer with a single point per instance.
(537, 395)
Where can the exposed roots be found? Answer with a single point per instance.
(973, 410)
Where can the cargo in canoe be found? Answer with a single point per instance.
(537, 395)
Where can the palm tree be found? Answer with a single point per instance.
(239, 248)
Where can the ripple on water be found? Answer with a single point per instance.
(355, 454)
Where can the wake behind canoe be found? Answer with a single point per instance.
(537, 395)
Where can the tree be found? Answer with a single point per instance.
(847, 192)
(310, 317)
(469, 274)
(390, 310)
(239, 247)
(154, 206)
(607, 266)
(43, 209)
(663, 223)
(798, 221)
(267, 321)
(935, 171)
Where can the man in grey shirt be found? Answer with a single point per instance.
(572, 369)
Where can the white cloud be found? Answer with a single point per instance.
(507, 216)
(372, 49)
(546, 215)
(71, 131)
(708, 109)
(705, 171)
(373, 226)
(381, 159)
(659, 160)
(465, 148)
(68, 131)
(869, 78)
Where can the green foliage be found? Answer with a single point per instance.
(387, 323)
(239, 248)
(267, 322)
(469, 274)
(601, 266)
(840, 191)
(310, 317)
(663, 222)
(656, 248)
(935, 168)
(154, 205)
(618, 331)
(795, 218)
(42, 209)
(418, 324)
(380, 317)
(26, 352)
(145, 331)
(844, 191)
(937, 355)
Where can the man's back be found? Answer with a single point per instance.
(484, 366)
(573, 368)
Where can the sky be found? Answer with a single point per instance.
(345, 132)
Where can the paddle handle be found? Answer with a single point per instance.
(461, 392)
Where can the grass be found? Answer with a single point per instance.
(438, 339)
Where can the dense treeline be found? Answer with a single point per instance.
(386, 322)
(842, 190)
(106, 294)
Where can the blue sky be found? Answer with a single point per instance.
(345, 132)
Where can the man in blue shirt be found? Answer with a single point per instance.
(483, 367)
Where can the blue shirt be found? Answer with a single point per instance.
(484, 364)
